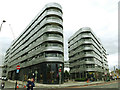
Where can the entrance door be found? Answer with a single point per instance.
(52, 75)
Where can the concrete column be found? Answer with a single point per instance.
(86, 74)
(83, 74)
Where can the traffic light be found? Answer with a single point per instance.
(60, 69)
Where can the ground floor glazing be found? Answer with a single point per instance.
(46, 73)
(87, 75)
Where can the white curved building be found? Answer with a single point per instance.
(39, 49)
(87, 56)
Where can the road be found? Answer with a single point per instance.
(103, 85)
(107, 85)
(110, 85)
(11, 86)
(8, 84)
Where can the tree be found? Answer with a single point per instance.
(119, 71)
(66, 75)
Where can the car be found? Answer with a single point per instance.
(4, 78)
(0, 78)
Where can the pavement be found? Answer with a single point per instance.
(66, 84)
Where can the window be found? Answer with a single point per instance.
(53, 35)
(90, 66)
(55, 10)
(53, 54)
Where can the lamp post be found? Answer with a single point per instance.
(0, 30)
(9, 26)
(2, 24)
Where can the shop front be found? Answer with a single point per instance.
(45, 73)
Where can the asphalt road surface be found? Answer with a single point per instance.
(103, 85)
(108, 85)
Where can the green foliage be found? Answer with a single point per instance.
(66, 74)
(119, 71)
(80, 79)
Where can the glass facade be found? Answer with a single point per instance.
(86, 55)
(46, 73)
(39, 49)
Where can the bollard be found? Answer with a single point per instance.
(24, 86)
(17, 85)
(88, 81)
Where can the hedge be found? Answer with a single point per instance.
(80, 79)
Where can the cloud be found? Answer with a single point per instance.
(99, 15)
(113, 61)
(1, 58)
(4, 44)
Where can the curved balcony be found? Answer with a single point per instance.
(53, 39)
(93, 69)
(33, 53)
(54, 13)
(36, 61)
(55, 5)
(81, 63)
(53, 48)
(51, 29)
(53, 59)
(88, 69)
(87, 42)
(80, 43)
(45, 22)
(81, 56)
(50, 20)
(86, 28)
(40, 60)
(40, 33)
(50, 5)
(80, 49)
(58, 39)
(83, 69)
(86, 36)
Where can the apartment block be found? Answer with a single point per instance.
(39, 49)
(87, 56)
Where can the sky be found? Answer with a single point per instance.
(100, 15)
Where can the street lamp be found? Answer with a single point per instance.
(1, 24)
(1, 48)
(9, 26)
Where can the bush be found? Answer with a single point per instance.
(80, 79)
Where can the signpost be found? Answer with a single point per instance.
(17, 71)
(18, 68)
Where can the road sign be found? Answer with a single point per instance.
(17, 71)
(18, 67)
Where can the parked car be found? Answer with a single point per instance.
(0, 78)
(2, 85)
(4, 78)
